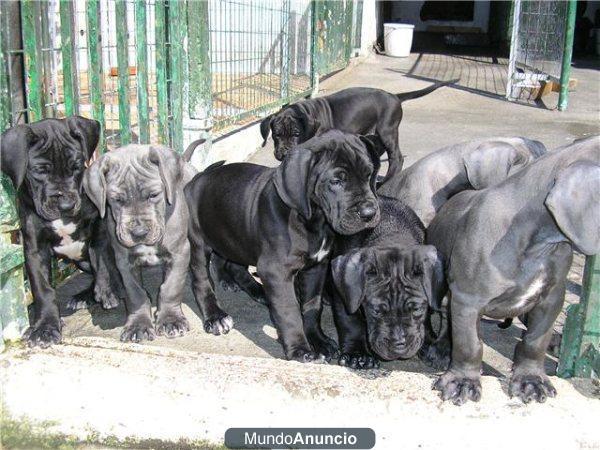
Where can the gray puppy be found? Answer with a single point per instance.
(385, 281)
(507, 252)
(430, 182)
(142, 188)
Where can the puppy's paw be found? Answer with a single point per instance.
(531, 387)
(358, 361)
(436, 356)
(219, 325)
(138, 329)
(325, 346)
(105, 296)
(171, 324)
(458, 388)
(44, 333)
(306, 356)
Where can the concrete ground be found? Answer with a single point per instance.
(188, 391)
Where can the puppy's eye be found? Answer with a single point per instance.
(371, 270)
(418, 270)
(154, 196)
(119, 200)
(75, 165)
(336, 182)
(381, 309)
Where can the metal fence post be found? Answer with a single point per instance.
(123, 72)
(30, 16)
(284, 78)
(348, 31)
(95, 81)
(5, 104)
(314, 54)
(176, 37)
(199, 74)
(162, 98)
(142, 71)
(565, 73)
(68, 57)
(580, 346)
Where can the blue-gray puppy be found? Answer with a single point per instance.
(508, 249)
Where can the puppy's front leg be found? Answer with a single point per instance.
(285, 312)
(462, 381)
(352, 333)
(216, 321)
(170, 320)
(46, 328)
(309, 287)
(529, 380)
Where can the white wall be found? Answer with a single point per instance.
(368, 34)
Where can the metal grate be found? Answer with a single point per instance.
(260, 56)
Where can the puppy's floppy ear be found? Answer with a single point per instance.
(15, 144)
(349, 277)
(86, 131)
(428, 264)
(574, 202)
(292, 180)
(94, 182)
(376, 148)
(170, 167)
(265, 128)
(491, 163)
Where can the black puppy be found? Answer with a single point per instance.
(355, 110)
(283, 220)
(385, 281)
(45, 161)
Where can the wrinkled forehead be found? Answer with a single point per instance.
(57, 148)
(133, 175)
(352, 157)
(285, 121)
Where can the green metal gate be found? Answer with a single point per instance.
(154, 71)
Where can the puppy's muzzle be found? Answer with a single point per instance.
(367, 211)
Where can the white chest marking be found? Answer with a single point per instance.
(67, 247)
(147, 255)
(532, 291)
(323, 250)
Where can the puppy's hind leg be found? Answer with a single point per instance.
(233, 277)
(216, 321)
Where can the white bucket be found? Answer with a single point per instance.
(398, 39)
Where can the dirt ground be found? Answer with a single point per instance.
(95, 390)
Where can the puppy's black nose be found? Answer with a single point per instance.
(367, 211)
(65, 204)
(139, 231)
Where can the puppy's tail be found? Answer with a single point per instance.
(214, 166)
(189, 151)
(428, 90)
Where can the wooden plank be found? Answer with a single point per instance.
(33, 58)
(161, 72)
(141, 43)
(68, 57)
(95, 67)
(122, 65)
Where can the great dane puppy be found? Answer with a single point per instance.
(138, 189)
(45, 161)
(385, 281)
(507, 251)
(359, 110)
(427, 184)
(282, 220)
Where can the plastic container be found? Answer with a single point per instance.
(398, 39)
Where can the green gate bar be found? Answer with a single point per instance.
(162, 98)
(580, 346)
(68, 57)
(5, 104)
(123, 71)
(349, 36)
(200, 101)
(565, 73)
(95, 67)
(30, 16)
(284, 75)
(176, 38)
(141, 44)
